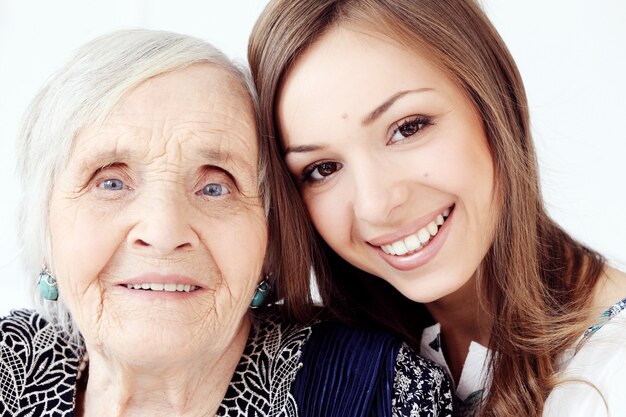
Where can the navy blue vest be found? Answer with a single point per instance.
(346, 373)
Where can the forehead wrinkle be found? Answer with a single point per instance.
(91, 151)
(222, 146)
(224, 156)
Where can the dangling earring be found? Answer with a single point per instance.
(261, 293)
(48, 285)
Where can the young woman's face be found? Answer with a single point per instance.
(392, 162)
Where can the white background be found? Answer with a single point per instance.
(571, 53)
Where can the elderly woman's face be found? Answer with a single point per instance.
(158, 230)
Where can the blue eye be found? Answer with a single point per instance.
(112, 184)
(215, 190)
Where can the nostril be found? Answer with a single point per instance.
(141, 242)
(151, 235)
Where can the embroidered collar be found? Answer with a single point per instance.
(608, 314)
(474, 376)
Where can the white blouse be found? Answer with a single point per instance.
(593, 378)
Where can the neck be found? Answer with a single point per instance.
(187, 387)
(462, 321)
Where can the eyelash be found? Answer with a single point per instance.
(209, 184)
(308, 171)
(116, 194)
(112, 194)
(417, 122)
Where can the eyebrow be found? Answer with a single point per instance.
(378, 111)
(302, 148)
(104, 158)
(211, 156)
(371, 117)
(227, 159)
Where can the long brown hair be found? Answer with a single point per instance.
(535, 279)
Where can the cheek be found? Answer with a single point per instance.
(237, 246)
(461, 164)
(330, 214)
(83, 241)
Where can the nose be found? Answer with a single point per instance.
(377, 192)
(163, 226)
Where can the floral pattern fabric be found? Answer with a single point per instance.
(39, 368)
(420, 389)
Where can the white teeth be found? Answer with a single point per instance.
(162, 287)
(423, 235)
(412, 243)
(399, 247)
(416, 240)
(432, 228)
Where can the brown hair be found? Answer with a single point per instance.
(535, 279)
(292, 246)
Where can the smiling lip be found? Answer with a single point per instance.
(164, 283)
(422, 256)
(409, 230)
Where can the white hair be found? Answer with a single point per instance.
(82, 93)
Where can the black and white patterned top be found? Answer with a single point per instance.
(39, 368)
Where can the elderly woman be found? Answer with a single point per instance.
(146, 217)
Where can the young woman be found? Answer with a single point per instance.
(405, 126)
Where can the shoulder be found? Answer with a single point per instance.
(25, 328)
(420, 386)
(610, 287)
(37, 364)
(592, 378)
(25, 319)
(267, 369)
(373, 369)
(275, 337)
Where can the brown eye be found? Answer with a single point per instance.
(408, 128)
(323, 170)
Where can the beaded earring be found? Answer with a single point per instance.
(260, 294)
(48, 285)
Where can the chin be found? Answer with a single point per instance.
(145, 337)
(156, 344)
(431, 288)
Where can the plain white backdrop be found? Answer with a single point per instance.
(571, 55)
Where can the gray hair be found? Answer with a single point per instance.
(84, 92)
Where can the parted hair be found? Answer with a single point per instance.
(535, 281)
(83, 93)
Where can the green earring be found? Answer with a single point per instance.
(48, 286)
(260, 294)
